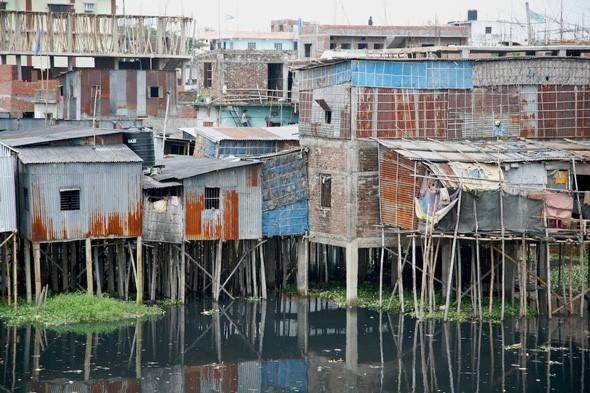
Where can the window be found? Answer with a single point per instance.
(346, 45)
(69, 199)
(207, 74)
(332, 45)
(488, 29)
(327, 110)
(155, 92)
(61, 90)
(59, 8)
(362, 45)
(325, 191)
(88, 7)
(251, 45)
(211, 197)
(307, 48)
(278, 46)
(378, 46)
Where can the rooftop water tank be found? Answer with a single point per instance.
(141, 141)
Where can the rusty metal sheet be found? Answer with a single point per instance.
(563, 111)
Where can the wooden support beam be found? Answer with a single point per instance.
(139, 277)
(37, 268)
(88, 255)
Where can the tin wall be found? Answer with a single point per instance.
(110, 201)
(240, 206)
(7, 191)
(398, 189)
(285, 194)
(122, 93)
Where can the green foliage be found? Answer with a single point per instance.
(578, 274)
(368, 297)
(75, 308)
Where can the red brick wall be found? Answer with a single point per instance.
(17, 96)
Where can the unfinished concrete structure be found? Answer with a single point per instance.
(345, 104)
(316, 39)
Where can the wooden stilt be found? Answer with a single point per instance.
(583, 292)
(89, 278)
(28, 283)
(121, 268)
(110, 252)
(450, 282)
(491, 280)
(182, 283)
(139, 277)
(217, 271)
(414, 289)
(14, 269)
(263, 272)
(37, 268)
(97, 269)
(72, 281)
(400, 285)
(254, 270)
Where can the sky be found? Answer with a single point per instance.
(255, 15)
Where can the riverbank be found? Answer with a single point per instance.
(75, 308)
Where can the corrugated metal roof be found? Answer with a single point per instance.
(215, 134)
(47, 135)
(182, 167)
(70, 154)
(489, 151)
(148, 183)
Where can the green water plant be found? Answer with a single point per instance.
(75, 308)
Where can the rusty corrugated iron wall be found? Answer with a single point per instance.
(122, 93)
(240, 205)
(399, 186)
(110, 201)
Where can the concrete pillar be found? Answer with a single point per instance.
(89, 278)
(139, 283)
(303, 266)
(37, 268)
(19, 68)
(352, 353)
(352, 273)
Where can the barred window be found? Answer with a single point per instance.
(69, 199)
(325, 191)
(211, 197)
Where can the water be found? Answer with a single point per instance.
(293, 344)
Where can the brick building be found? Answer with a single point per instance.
(346, 104)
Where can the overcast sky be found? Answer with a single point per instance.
(255, 15)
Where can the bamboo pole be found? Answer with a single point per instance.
(491, 280)
(450, 279)
(89, 278)
(400, 285)
(14, 269)
(416, 305)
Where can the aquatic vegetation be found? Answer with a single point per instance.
(368, 297)
(75, 308)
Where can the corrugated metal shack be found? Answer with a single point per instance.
(75, 193)
(107, 93)
(345, 104)
(285, 197)
(504, 196)
(216, 142)
(205, 201)
(8, 224)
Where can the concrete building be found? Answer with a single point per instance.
(315, 39)
(101, 7)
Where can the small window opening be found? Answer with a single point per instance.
(307, 50)
(207, 74)
(26, 198)
(488, 29)
(325, 191)
(251, 45)
(69, 199)
(211, 197)
(155, 92)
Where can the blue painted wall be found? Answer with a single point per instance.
(286, 220)
(412, 74)
(259, 115)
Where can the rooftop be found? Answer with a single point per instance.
(216, 134)
(46, 135)
(77, 154)
(183, 167)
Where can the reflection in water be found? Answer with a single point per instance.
(298, 344)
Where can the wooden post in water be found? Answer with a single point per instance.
(28, 286)
(182, 283)
(139, 278)
(97, 270)
(37, 268)
(217, 271)
(263, 272)
(121, 268)
(14, 269)
(89, 278)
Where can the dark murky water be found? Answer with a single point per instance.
(291, 344)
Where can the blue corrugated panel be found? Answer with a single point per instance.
(290, 374)
(413, 75)
(286, 220)
(209, 148)
(341, 73)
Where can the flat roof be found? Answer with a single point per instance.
(183, 167)
(216, 134)
(46, 135)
